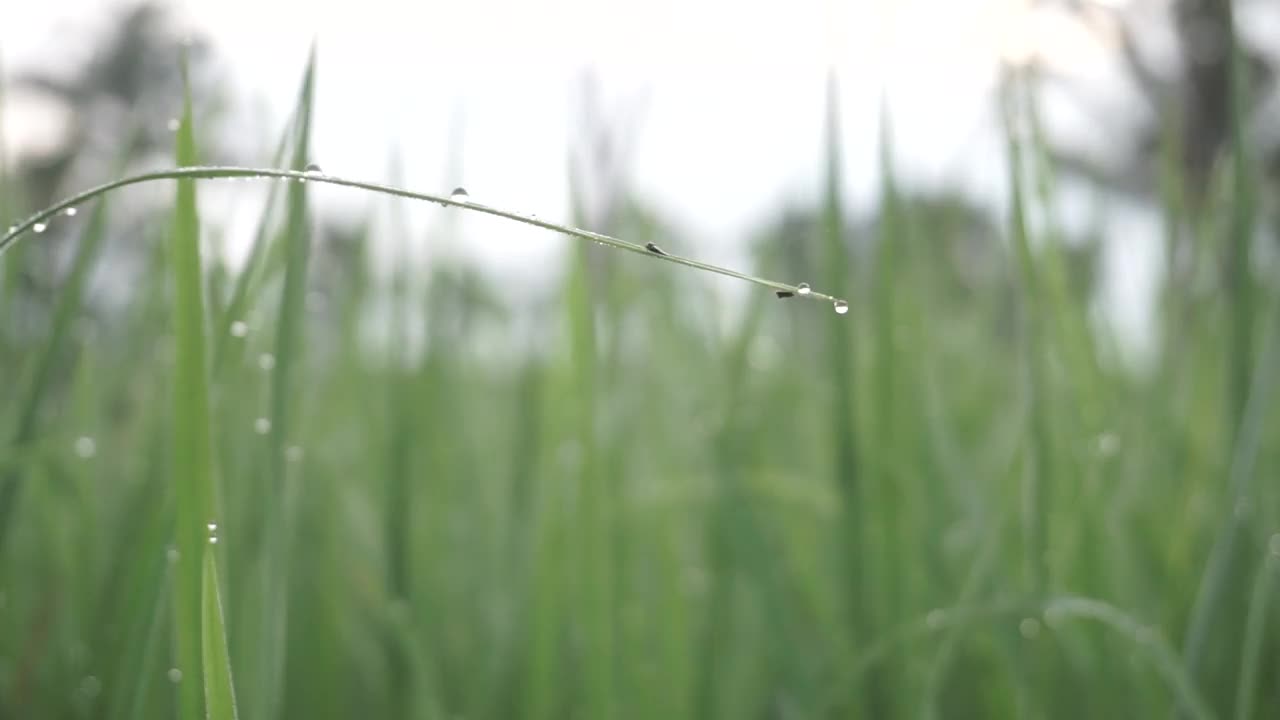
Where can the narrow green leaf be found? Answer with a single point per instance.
(220, 694)
(192, 453)
(277, 508)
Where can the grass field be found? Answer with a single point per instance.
(956, 500)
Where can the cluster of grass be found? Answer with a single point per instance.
(953, 500)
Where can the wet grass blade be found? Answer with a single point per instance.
(36, 388)
(21, 229)
(219, 692)
(192, 451)
(277, 506)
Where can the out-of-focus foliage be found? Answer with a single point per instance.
(638, 496)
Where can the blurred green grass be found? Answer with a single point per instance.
(955, 501)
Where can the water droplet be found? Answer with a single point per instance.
(173, 124)
(1274, 545)
(460, 194)
(262, 426)
(86, 447)
(841, 307)
(12, 228)
(90, 687)
(213, 526)
(1107, 444)
(266, 361)
(293, 453)
(171, 554)
(213, 539)
(40, 227)
(175, 675)
(314, 169)
(803, 289)
(1030, 628)
(935, 619)
(70, 212)
(239, 329)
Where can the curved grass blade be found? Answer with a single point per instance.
(222, 172)
(1150, 640)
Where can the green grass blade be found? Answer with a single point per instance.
(192, 452)
(277, 507)
(1264, 587)
(251, 275)
(841, 369)
(596, 519)
(37, 387)
(1036, 489)
(220, 695)
(20, 230)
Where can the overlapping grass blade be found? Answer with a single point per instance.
(192, 442)
(277, 500)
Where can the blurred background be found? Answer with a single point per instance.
(466, 468)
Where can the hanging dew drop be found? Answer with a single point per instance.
(40, 227)
(803, 289)
(841, 307)
(213, 540)
(213, 526)
(239, 329)
(460, 194)
(70, 212)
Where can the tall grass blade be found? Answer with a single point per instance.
(277, 504)
(192, 452)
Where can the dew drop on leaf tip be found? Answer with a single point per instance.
(841, 307)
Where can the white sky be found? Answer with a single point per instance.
(726, 98)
